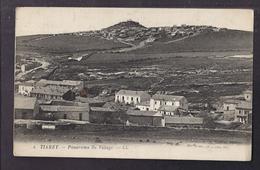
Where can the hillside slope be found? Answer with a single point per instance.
(66, 43)
(229, 40)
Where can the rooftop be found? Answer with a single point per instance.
(58, 83)
(232, 101)
(248, 92)
(168, 108)
(131, 93)
(167, 97)
(28, 83)
(59, 108)
(144, 103)
(101, 109)
(183, 120)
(50, 91)
(143, 113)
(244, 105)
(88, 100)
(22, 102)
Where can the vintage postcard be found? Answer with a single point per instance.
(139, 83)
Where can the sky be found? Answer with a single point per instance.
(53, 20)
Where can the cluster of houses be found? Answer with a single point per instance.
(58, 100)
(238, 108)
(157, 110)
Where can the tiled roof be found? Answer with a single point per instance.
(88, 100)
(168, 108)
(167, 97)
(21, 102)
(64, 82)
(144, 103)
(132, 93)
(183, 120)
(27, 84)
(142, 113)
(59, 108)
(244, 105)
(232, 101)
(101, 109)
(50, 91)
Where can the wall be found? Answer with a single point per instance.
(229, 106)
(24, 114)
(145, 120)
(242, 115)
(143, 108)
(248, 96)
(156, 104)
(70, 115)
(25, 90)
(183, 125)
(127, 99)
(102, 117)
(229, 114)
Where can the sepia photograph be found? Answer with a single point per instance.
(133, 83)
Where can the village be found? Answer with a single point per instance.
(49, 104)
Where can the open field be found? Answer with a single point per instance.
(121, 134)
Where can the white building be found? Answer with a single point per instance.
(131, 97)
(159, 100)
(144, 106)
(168, 110)
(248, 95)
(239, 110)
(26, 88)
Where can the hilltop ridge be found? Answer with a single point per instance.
(131, 36)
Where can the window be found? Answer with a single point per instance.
(132, 98)
(239, 111)
(65, 116)
(123, 98)
(165, 103)
(24, 115)
(137, 99)
(80, 116)
(155, 102)
(227, 107)
(147, 109)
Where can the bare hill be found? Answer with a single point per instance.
(229, 40)
(66, 43)
(132, 37)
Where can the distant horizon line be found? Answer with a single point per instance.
(131, 21)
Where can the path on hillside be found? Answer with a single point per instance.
(43, 65)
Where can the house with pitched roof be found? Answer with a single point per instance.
(52, 93)
(144, 118)
(25, 88)
(55, 112)
(238, 109)
(243, 112)
(143, 106)
(169, 110)
(159, 100)
(25, 107)
(131, 97)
